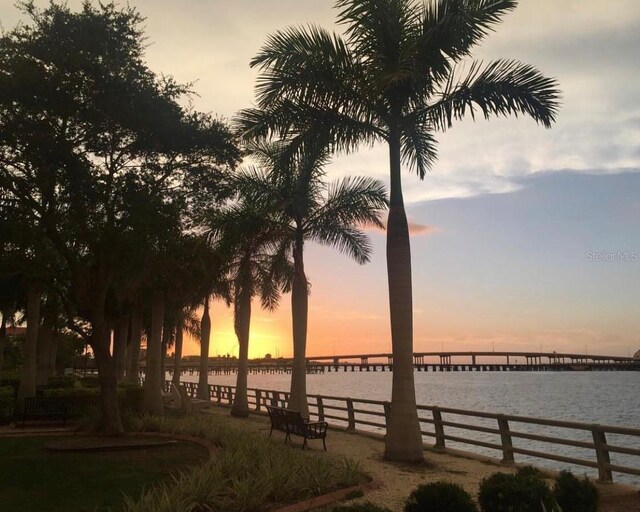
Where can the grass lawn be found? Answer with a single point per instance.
(36, 479)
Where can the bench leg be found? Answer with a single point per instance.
(287, 437)
(304, 443)
(324, 444)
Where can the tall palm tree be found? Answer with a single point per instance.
(395, 77)
(309, 209)
(249, 235)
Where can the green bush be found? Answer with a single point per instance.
(439, 497)
(575, 495)
(526, 491)
(7, 398)
(10, 379)
(90, 381)
(63, 381)
(131, 397)
(72, 392)
(360, 507)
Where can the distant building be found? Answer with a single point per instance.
(16, 331)
(637, 354)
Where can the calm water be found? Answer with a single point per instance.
(608, 398)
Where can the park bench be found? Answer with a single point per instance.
(292, 423)
(172, 398)
(191, 405)
(45, 407)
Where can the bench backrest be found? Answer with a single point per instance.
(286, 419)
(277, 416)
(295, 423)
(186, 400)
(46, 405)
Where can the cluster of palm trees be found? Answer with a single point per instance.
(136, 215)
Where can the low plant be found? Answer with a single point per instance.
(249, 472)
(439, 497)
(525, 491)
(7, 398)
(63, 381)
(574, 494)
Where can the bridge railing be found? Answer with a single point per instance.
(501, 434)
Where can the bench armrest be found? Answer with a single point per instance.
(318, 427)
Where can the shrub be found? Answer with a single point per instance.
(7, 399)
(63, 381)
(526, 491)
(439, 497)
(575, 495)
(131, 397)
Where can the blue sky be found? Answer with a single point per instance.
(513, 209)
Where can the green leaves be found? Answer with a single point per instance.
(503, 87)
(395, 70)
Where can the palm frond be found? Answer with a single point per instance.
(378, 29)
(502, 87)
(419, 146)
(349, 240)
(450, 28)
(191, 323)
(352, 201)
(306, 65)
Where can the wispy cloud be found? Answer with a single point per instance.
(415, 228)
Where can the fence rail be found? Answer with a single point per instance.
(442, 426)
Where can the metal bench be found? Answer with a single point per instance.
(45, 407)
(292, 423)
(192, 405)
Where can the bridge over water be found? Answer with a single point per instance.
(431, 361)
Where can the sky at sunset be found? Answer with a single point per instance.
(523, 238)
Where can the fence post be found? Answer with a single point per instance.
(505, 438)
(320, 408)
(258, 399)
(210, 393)
(275, 401)
(219, 393)
(387, 413)
(602, 454)
(438, 427)
(230, 395)
(351, 415)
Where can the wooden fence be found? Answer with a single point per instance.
(443, 424)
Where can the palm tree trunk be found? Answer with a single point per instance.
(299, 313)
(177, 355)
(166, 337)
(45, 346)
(53, 354)
(153, 379)
(100, 344)
(242, 322)
(403, 441)
(3, 338)
(205, 334)
(133, 364)
(27, 386)
(120, 336)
